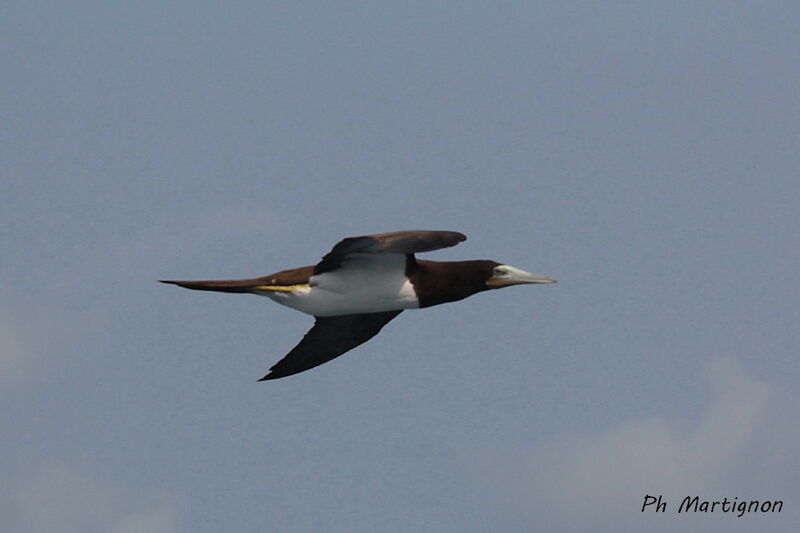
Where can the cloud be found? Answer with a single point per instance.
(34, 335)
(16, 356)
(597, 480)
(60, 498)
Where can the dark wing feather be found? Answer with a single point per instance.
(330, 337)
(293, 276)
(220, 285)
(398, 242)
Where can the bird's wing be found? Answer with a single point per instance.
(284, 278)
(330, 337)
(398, 242)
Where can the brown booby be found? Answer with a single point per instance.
(362, 284)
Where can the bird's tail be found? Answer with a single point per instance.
(221, 285)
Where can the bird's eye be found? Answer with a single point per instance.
(498, 271)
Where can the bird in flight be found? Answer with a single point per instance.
(362, 284)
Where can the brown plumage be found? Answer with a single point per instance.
(362, 284)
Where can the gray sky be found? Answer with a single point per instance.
(644, 154)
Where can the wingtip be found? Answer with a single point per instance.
(457, 237)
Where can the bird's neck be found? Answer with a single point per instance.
(438, 282)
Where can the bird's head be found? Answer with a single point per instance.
(505, 275)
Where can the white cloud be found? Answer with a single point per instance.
(60, 498)
(15, 354)
(597, 481)
(32, 336)
(155, 520)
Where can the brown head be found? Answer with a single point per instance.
(440, 282)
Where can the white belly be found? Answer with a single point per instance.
(371, 284)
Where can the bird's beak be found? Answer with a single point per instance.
(514, 276)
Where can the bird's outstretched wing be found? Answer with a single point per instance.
(398, 242)
(330, 337)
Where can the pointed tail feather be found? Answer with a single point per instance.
(223, 285)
